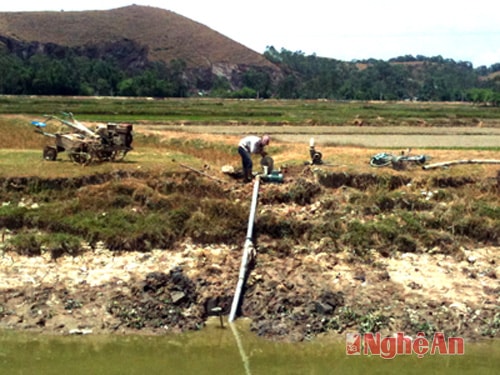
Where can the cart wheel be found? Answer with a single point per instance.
(119, 155)
(49, 153)
(104, 155)
(80, 158)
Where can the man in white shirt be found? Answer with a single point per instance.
(251, 145)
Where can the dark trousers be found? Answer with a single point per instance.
(246, 159)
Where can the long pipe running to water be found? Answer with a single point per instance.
(247, 248)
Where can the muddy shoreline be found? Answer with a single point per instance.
(293, 298)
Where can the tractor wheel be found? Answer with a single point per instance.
(119, 155)
(82, 158)
(104, 155)
(49, 153)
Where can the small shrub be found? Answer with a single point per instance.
(29, 244)
(386, 229)
(176, 220)
(478, 228)
(357, 198)
(487, 209)
(277, 228)
(426, 327)
(411, 223)
(492, 327)
(217, 221)
(303, 192)
(386, 203)
(358, 234)
(329, 229)
(59, 244)
(405, 243)
(12, 217)
(372, 322)
(274, 196)
(439, 240)
(329, 204)
(193, 186)
(268, 224)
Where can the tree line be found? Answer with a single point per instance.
(304, 77)
(72, 74)
(402, 78)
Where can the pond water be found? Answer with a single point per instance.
(216, 350)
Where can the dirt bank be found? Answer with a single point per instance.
(307, 278)
(293, 297)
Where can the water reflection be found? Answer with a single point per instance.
(243, 354)
(215, 350)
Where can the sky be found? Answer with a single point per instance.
(343, 30)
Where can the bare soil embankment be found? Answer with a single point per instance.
(335, 252)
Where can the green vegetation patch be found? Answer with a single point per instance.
(159, 210)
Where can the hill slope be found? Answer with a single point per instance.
(160, 34)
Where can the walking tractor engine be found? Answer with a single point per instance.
(109, 142)
(118, 134)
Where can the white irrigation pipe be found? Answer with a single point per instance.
(247, 250)
(455, 162)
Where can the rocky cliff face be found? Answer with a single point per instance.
(133, 36)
